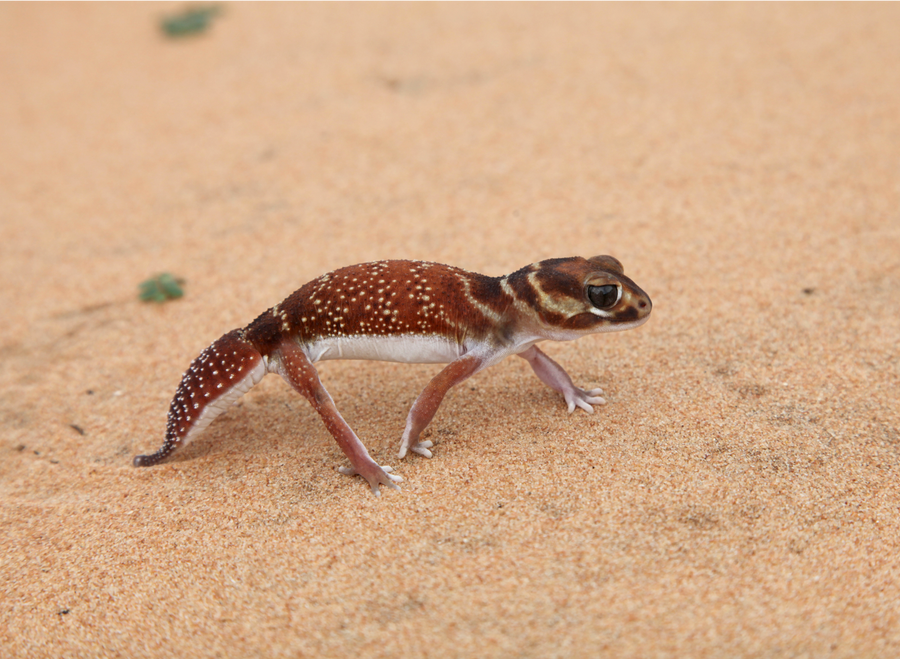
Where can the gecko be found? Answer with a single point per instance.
(411, 312)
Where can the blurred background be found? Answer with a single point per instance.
(284, 140)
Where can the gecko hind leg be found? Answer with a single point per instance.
(295, 367)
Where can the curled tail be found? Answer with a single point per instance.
(222, 373)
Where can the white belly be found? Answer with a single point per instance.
(409, 349)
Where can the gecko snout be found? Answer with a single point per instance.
(643, 305)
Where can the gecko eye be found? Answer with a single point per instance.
(603, 297)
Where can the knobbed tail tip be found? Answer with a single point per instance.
(145, 460)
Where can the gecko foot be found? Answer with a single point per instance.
(577, 397)
(378, 476)
(419, 448)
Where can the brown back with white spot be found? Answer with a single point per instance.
(391, 298)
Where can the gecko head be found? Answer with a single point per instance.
(577, 296)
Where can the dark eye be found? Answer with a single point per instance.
(603, 297)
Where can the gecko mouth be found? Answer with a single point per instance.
(630, 321)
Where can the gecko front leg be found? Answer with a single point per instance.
(300, 373)
(428, 402)
(555, 377)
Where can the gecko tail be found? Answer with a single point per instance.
(222, 373)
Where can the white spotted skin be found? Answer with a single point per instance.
(220, 404)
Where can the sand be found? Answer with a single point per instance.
(738, 495)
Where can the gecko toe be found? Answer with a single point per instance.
(585, 399)
(390, 481)
(396, 478)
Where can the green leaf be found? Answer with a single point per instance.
(190, 21)
(161, 288)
